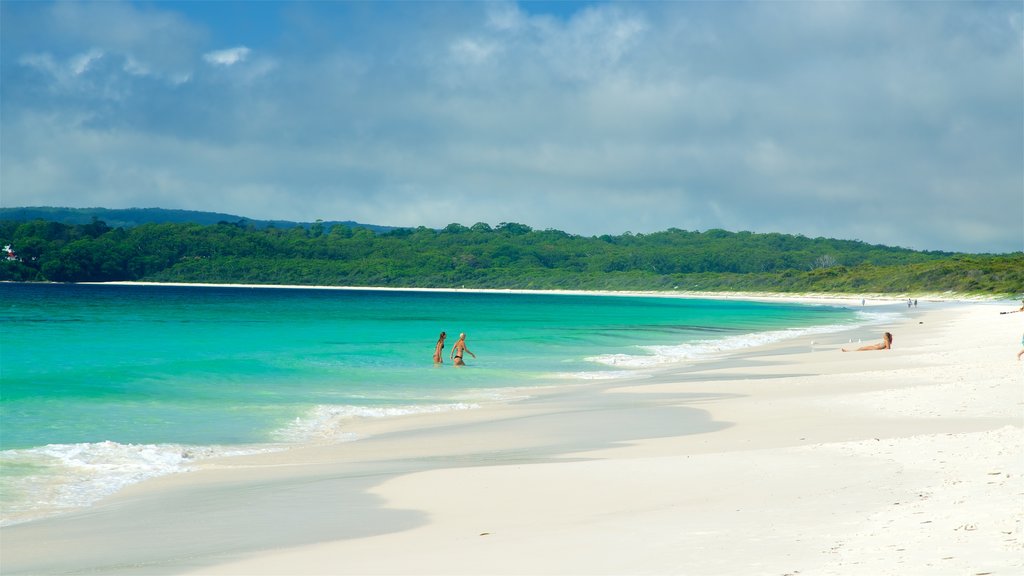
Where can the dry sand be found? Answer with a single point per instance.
(790, 459)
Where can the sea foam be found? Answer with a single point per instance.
(655, 356)
(58, 477)
(330, 422)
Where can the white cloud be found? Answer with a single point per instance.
(505, 17)
(227, 57)
(133, 66)
(594, 42)
(65, 75)
(43, 62)
(875, 121)
(80, 64)
(471, 51)
(159, 41)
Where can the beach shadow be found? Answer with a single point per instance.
(189, 525)
(176, 529)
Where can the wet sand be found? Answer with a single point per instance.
(789, 458)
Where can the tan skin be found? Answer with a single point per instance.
(1021, 353)
(438, 348)
(460, 349)
(885, 344)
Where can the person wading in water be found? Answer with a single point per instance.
(438, 348)
(459, 349)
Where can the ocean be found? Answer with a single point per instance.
(102, 386)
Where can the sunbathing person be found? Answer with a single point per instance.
(885, 344)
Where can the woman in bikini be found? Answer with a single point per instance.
(438, 348)
(459, 349)
(885, 344)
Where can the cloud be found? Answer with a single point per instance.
(62, 72)
(883, 122)
(80, 63)
(227, 57)
(158, 41)
(472, 51)
(43, 62)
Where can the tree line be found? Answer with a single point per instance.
(509, 255)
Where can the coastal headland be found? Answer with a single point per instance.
(791, 458)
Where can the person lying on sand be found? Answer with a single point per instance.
(885, 344)
(1015, 311)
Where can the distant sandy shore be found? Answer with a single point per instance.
(808, 298)
(794, 458)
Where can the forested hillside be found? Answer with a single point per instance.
(131, 217)
(509, 255)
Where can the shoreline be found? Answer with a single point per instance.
(805, 298)
(416, 482)
(176, 458)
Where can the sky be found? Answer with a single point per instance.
(897, 123)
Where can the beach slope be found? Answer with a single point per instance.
(793, 458)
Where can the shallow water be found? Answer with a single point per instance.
(107, 385)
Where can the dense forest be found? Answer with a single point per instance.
(509, 255)
(129, 217)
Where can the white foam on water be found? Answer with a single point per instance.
(497, 395)
(599, 375)
(40, 482)
(58, 477)
(655, 356)
(329, 422)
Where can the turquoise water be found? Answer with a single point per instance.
(101, 386)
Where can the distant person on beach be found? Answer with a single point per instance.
(1021, 353)
(459, 349)
(438, 348)
(885, 344)
(1021, 309)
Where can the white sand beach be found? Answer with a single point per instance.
(794, 458)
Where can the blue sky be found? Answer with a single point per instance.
(888, 122)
